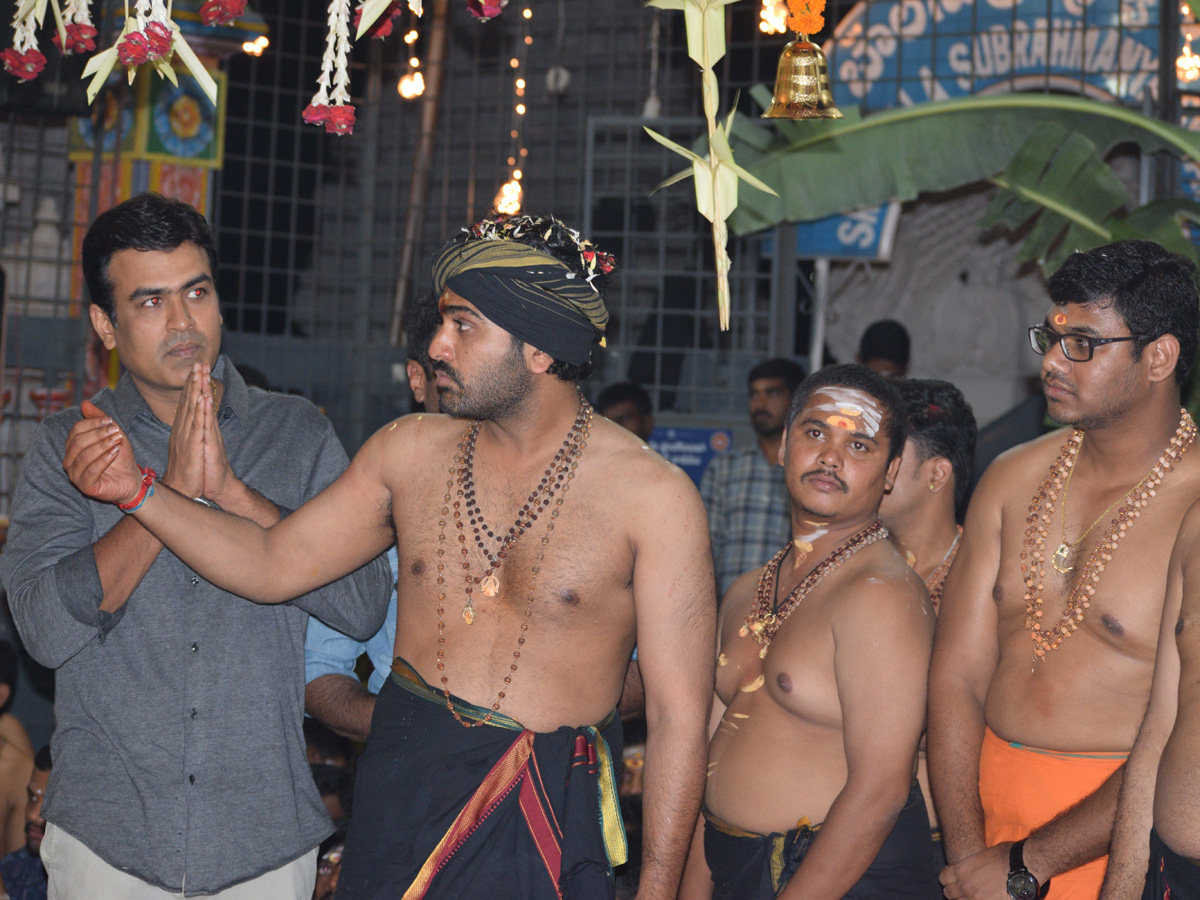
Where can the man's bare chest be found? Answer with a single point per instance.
(571, 562)
(1109, 591)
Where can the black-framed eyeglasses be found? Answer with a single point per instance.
(1075, 347)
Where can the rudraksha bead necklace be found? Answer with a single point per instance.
(1041, 514)
(578, 441)
(936, 582)
(766, 615)
(536, 504)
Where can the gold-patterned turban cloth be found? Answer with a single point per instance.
(525, 291)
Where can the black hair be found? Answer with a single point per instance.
(42, 761)
(148, 221)
(858, 378)
(622, 392)
(421, 322)
(335, 781)
(10, 666)
(1151, 289)
(789, 370)
(885, 339)
(327, 743)
(335, 840)
(941, 423)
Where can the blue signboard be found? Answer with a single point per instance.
(901, 52)
(888, 54)
(690, 448)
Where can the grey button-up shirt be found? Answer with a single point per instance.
(178, 751)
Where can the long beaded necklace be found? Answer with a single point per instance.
(1059, 559)
(767, 614)
(1041, 514)
(936, 582)
(577, 438)
(536, 504)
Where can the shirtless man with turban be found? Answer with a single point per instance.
(537, 542)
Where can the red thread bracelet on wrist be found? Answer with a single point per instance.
(148, 477)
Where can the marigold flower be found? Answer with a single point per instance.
(806, 16)
(340, 120)
(26, 66)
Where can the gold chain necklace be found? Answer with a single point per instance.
(1041, 511)
(1059, 559)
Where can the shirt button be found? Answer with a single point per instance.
(195, 581)
(192, 779)
(193, 714)
(195, 646)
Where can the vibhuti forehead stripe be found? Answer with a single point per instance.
(846, 405)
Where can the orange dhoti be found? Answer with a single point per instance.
(1023, 787)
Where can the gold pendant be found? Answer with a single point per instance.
(491, 585)
(468, 613)
(1059, 560)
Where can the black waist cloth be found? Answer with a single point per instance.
(1170, 876)
(421, 767)
(748, 866)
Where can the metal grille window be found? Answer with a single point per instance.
(664, 330)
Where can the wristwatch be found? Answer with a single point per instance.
(1021, 884)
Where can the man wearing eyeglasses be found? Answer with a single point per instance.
(1046, 639)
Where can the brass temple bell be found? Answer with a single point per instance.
(802, 88)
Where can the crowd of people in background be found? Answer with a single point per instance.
(847, 664)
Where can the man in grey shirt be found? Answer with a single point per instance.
(178, 705)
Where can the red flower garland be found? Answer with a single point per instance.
(384, 24)
(26, 66)
(486, 9)
(221, 12)
(158, 39)
(80, 39)
(134, 49)
(340, 120)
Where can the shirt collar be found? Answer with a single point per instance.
(131, 404)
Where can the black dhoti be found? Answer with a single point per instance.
(748, 866)
(442, 811)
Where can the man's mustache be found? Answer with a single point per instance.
(440, 365)
(1056, 379)
(825, 473)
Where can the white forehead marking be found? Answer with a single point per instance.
(848, 401)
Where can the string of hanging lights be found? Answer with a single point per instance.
(412, 84)
(508, 198)
(772, 17)
(1187, 65)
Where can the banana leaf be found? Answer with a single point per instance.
(1059, 182)
(829, 167)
